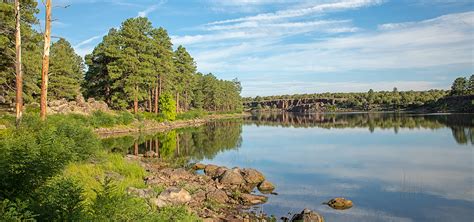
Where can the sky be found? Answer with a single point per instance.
(277, 47)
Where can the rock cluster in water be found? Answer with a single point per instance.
(220, 194)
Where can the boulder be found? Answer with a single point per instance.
(339, 203)
(210, 170)
(142, 193)
(252, 176)
(232, 177)
(218, 195)
(199, 166)
(150, 153)
(171, 196)
(251, 199)
(307, 216)
(266, 186)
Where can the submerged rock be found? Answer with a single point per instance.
(171, 196)
(251, 199)
(307, 216)
(266, 186)
(339, 203)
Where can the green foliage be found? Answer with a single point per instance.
(102, 119)
(38, 150)
(459, 87)
(168, 107)
(60, 199)
(66, 71)
(125, 118)
(137, 59)
(192, 114)
(15, 211)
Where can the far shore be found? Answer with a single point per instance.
(152, 126)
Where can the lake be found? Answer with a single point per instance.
(394, 167)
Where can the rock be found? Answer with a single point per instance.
(218, 195)
(307, 216)
(199, 196)
(150, 153)
(90, 100)
(142, 193)
(210, 170)
(252, 176)
(251, 199)
(199, 166)
(339, 203)
(171, 196)
(266, 186)
(80, 100)
(232, 177)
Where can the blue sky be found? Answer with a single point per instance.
(298, 46)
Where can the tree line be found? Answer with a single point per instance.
(385, 100)
(137, 63)
(134, 67)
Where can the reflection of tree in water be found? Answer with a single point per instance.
(462, 125)
(198, 143)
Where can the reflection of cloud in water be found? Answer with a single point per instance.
(431, 167)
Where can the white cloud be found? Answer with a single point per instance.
(150, 9)
(437, 43)
(292, 13)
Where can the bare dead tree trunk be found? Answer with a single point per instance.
(19, 71)
(135, 101)
(45, 67)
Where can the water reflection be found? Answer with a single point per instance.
(395, 167)
(198, 143)
(462, 125)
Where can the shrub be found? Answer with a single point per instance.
(102, 119)
(168, 107)
(15, 211)
(125, 118)
(60, 199)
(38, 150)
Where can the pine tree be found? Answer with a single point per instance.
(185, 75)
(66, 71)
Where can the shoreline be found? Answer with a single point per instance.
(152, 126)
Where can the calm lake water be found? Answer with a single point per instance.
(395, 167)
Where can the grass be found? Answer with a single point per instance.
(91, 174)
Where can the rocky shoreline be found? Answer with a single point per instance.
(214, 193)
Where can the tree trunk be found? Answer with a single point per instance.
(157, 147)
(19, 71)
(45, 67)
(186, 108)
(135, 151)
(156, 96)
(177, 102)
(150, 108)
(177, 144)
(135, 101)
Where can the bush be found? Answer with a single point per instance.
(192, 114)
(60, 199)
(125, 118)
(38, 150)
(168, 107)
(102, 119)
(15, 211)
